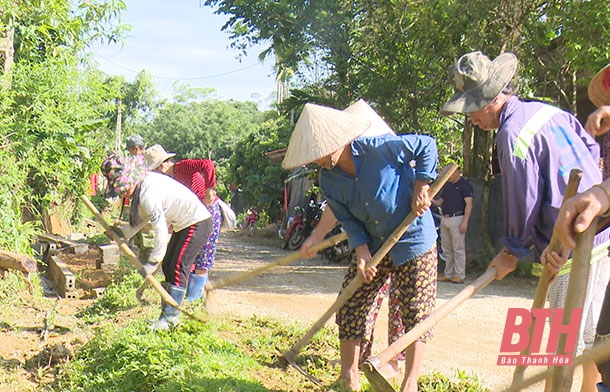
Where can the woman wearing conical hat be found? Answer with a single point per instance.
(325, 225)
(371, 187)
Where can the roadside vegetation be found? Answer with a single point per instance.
(60, 115)
(121, 354)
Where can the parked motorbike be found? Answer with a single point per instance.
(251, 219)
(300, 225)
(339, 252)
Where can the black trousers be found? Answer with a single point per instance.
(181, 251)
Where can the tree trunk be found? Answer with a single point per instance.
(119, 135)
(468, 145)
(478, 154)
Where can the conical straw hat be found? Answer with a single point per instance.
(599, 88)
(378, 125)
(320, 131)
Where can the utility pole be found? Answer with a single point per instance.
(119, 137)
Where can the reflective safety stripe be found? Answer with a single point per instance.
(531, 128)
(598, 253)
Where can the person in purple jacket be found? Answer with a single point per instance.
(578, 212)
(537, 145)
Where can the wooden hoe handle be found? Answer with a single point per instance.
(546, 276)
(282, 261)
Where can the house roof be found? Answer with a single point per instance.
(276, 156)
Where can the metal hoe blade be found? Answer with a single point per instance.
(377, 381)
(290, 357)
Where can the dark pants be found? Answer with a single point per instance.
(603, 332)
(181, 251)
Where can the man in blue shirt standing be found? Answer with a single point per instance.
(456, 204)
(370, 186)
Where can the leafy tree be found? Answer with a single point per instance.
(54, 103)
(45, 28)
(196, 125)
(260, 181)
(138, 102)
(395, 54)
(204, 128)
(51, 110)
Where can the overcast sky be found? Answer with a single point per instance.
(179, 40)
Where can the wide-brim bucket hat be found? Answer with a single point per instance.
(477, 81)
(156, 155)
(122, 173)
(378, 125)
(599, 87)
(319, 132)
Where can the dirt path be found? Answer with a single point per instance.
(467, 340)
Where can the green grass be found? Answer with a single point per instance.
(221, 355)
(232, 354)
(235, 354)
(136, 359)
(118, 296)
(438, 382)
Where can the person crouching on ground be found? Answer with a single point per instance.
(168, 206)
(371, 187)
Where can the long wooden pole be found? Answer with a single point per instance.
(575, 299)
(405, 340)
(281, 261)
(599, 352)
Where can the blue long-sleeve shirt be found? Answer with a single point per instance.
(371, 204)
(538, 145)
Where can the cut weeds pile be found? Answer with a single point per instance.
(106, 345)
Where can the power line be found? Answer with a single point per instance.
(179, 78)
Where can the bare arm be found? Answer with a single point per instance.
(326, 223)
(467, 212)
(421, 199)
(578, 212)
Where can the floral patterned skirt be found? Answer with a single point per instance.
(207, 253)
(415, 285)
